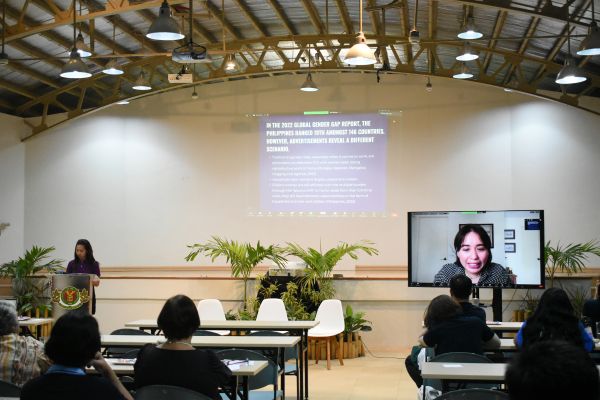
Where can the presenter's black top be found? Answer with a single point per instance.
(469, 310)
(72, 387)
(197, 369)
(461, 333)
(492, 275)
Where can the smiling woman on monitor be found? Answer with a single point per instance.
(473, 259)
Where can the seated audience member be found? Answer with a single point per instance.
(449, 330)
(176, 362)
(553, 370)
(591, 309)
(21, 357)
(73, 344)
(554, 319)
(460, 290)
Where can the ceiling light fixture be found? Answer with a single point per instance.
(230, 64)
(75, 68)
(111, 67)
(3, 56)
(191, 52)
(591, 44)
(414, 37)
(194, 94)
(468, 53)
(82, 48)
(141, 83)
(463, 72)
(428, 86)
(360, 53)
(309, 85)
(164, 26)
(569, 74)
(469, 31)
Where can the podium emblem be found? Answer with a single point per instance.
(70, 298)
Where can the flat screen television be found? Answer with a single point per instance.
(496, 249)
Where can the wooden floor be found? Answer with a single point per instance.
(359, 378)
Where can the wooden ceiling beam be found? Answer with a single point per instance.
(498, 26)
(283, 17)
(345, 17)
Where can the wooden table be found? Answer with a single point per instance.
(504, 326)
(240, 371)
(297, 328)
(38, 327)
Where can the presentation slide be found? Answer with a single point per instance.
(323, 163)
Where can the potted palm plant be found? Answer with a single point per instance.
(569, 258)
(320, 264)
(243, 257)
(28, 280)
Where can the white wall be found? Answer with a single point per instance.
(144, 180)
(12, 186)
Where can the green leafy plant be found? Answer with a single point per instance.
(578, 296)
(293, 304)
(28, 282)
(569, 258)
(243, 257)
(355, 321)
(319, 265)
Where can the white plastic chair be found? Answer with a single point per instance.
(212, 310)
(271, 310)
(331, 324)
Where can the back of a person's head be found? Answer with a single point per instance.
(8, 319)
(553, 319)
(178, 318)
(553, 370)
(461, 286)
(441, 308)
(74, 340)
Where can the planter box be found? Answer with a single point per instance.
(353, 347)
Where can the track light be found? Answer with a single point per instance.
(309, 85)
(569, 74)
(112, 68)
(75, 68)
(142, 83)
(469, 30)
(468, 54)
(360, 53)
(463, 72)
(164, 26)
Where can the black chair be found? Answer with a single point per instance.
(166, 392)
(124, 352)
(474, 394)
(202, 332)
(291, 353)
(266, 377)
(459, 357)
(8, 389)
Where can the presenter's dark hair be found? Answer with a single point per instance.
(483, 235)
(89, 253)
(74, 340)
(178, 318)
(440, 309)
(461, 286)
(553, 319)
(552, 370)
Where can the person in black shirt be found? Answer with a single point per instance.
(449, 330)
(591, 309)
(73, 344)
(177, 362)
(460, 290)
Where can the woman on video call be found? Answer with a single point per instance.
(473, 246)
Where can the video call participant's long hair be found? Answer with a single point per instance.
(441, 308)
(553, 319)
(483, 235)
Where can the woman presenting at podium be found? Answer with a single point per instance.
(85, 263)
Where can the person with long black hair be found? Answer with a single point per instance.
(554, 319)
(83, 262)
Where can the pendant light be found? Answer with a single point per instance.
(141, 83)
(591, 44)
(463, 72)
(164, 26)
(569, 74)
(75, 68)
(468, 54)
(360, 53)
(230, 63)
(82, 48)
(111, 67)
(309, 85)
(3, 56)
(469, 31)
